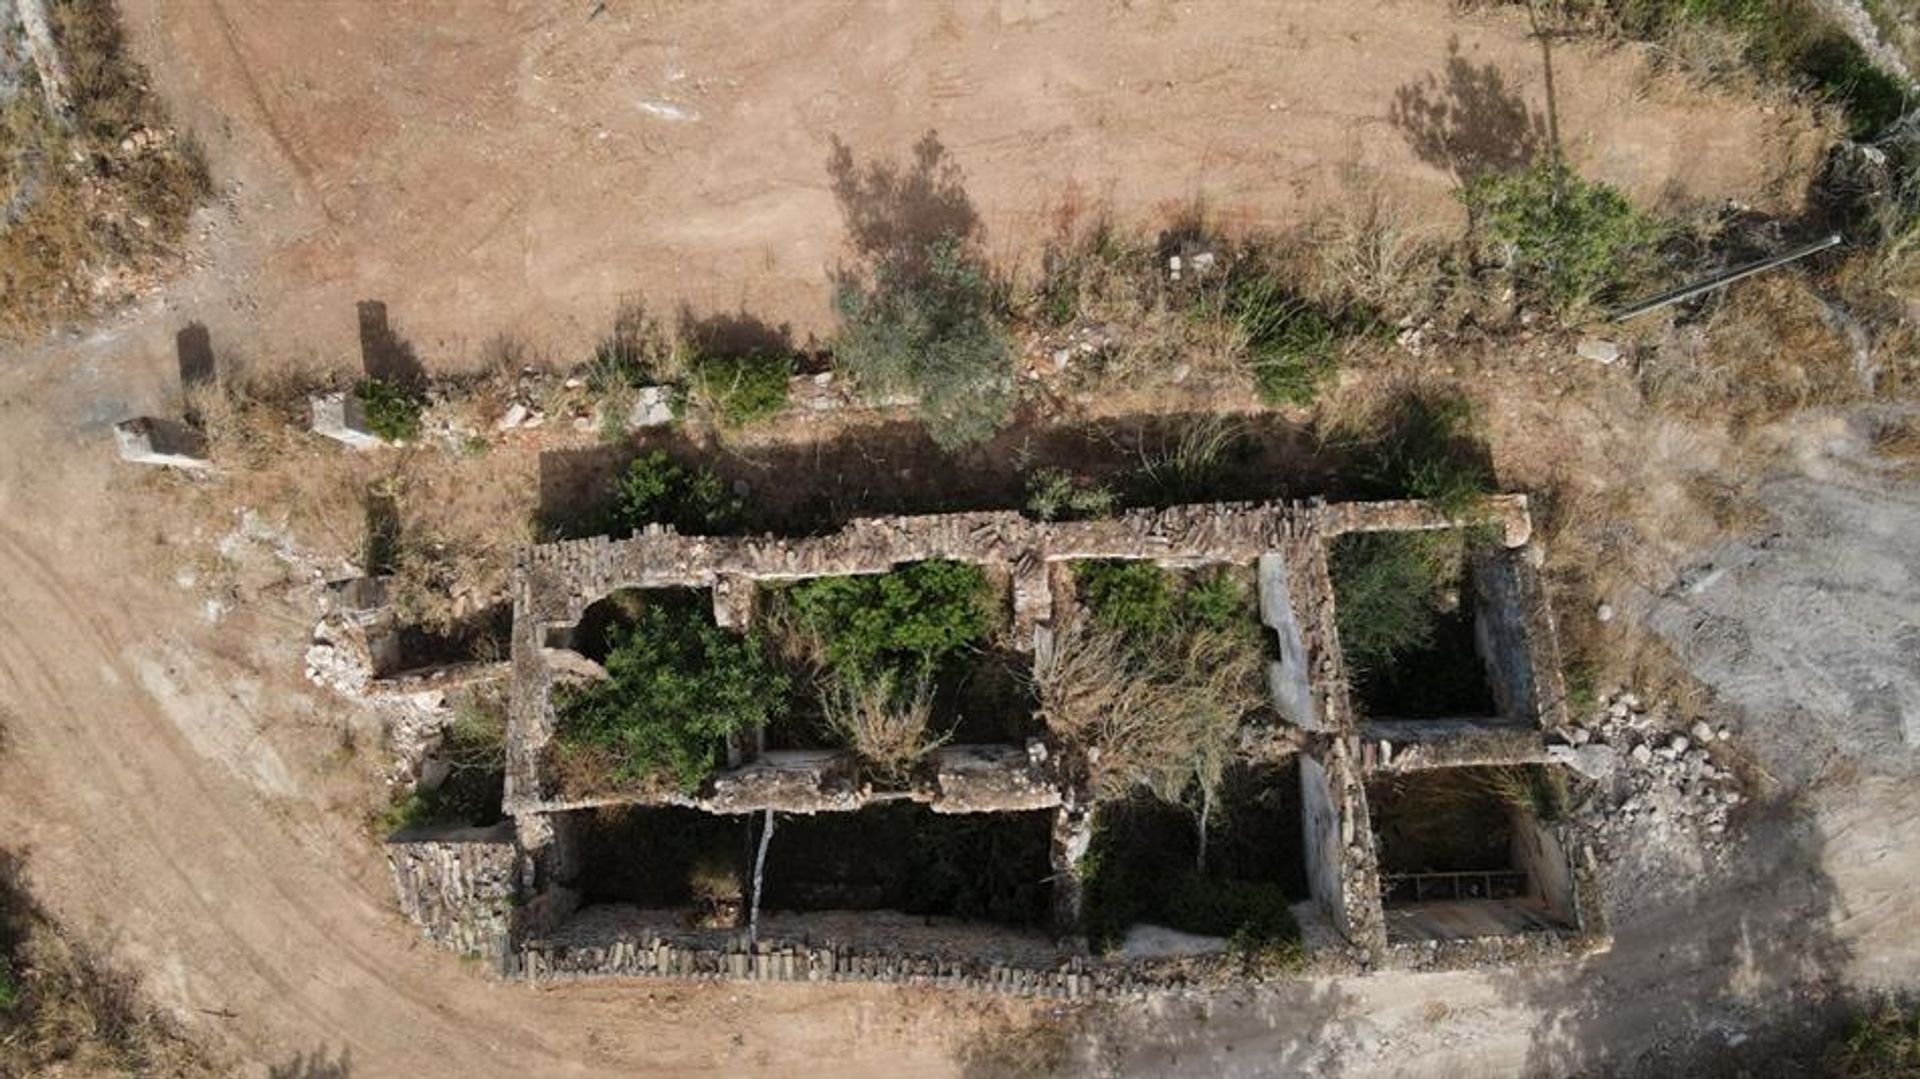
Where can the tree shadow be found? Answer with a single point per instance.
(893, 211)
(1468, 120)
(384, 354)
(734, 333)
(314, 1065)
(1734, 971)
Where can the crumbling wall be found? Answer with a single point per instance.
(1407, 745)
(1342, 874)
(458, 885)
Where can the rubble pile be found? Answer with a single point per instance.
(1656, 781)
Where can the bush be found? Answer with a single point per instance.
(655, 489)
(927, 325)
(392, 410)
(1290, 344)
(902, 625)
(1568, 242)
(1131, 598)
(739, 390)
(678, 688)
(890, 730)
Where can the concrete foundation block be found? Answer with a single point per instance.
(148, 440)
(342, 417)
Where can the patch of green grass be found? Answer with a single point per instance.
(1880, 1043)
(1426, 449)
(739, 390)
(10, 992)
(904, 625)
(678, 687)
(1568, 242)
(392, 410)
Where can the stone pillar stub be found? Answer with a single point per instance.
(339, 415)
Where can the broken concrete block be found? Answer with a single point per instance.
(652, 407)
(1599, 350)
(148, 440)
(1592, 760)
(342, 417)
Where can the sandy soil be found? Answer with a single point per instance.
(519, 169)
(187, 801)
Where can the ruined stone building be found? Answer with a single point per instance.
(566, 885)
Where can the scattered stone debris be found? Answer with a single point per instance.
(1655, 782)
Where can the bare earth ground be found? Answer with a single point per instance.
(186, 800)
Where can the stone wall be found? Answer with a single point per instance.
(458, 885)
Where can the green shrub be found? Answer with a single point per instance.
(9, 988)
(392, 410)
(1386, 586)
(926, 324)
(655, 489)
(739, 390)
(1145, 603)
(1128, 597)
(1568, 242)
(678, 688)
(904, 625)
(1290, 344)
(1054, 495)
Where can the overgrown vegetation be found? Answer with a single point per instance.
(678, 687)
(1388, 588)
(1288, 342)
(392, 410)
(891, 729)
(1568, 242)
(1882, 1042)
(1152, 686)
(1791, 39)
(1423, 446)
(901, 627)
(1143, 866)
(95, 202)
(656, 489)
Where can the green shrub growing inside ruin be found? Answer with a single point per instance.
(392, 410)
(1129, 597)
(924, 322)
(1386, 586)
(904, 625)
(1425, 449)
(678, 687)
(656, 489)
(1568, 242)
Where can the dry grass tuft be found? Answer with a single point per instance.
(890, 731)
(1769, 350)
